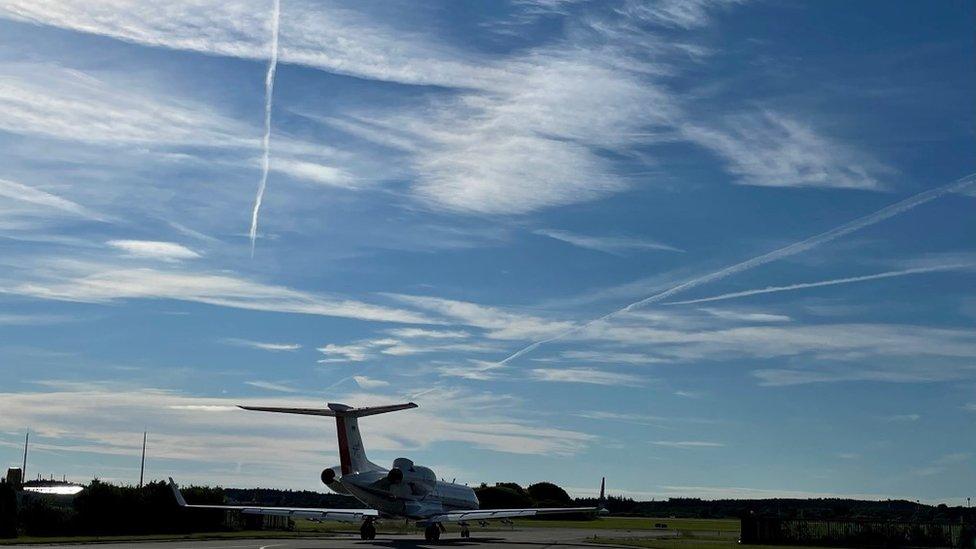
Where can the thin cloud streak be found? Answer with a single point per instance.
(102, 283)
(834, 282)
(271, 386)
(264, 346)
(584, 375)
(24, 193)
(153, 249)
(786, 251)
(687, 444)
(266, 140)
(614, 245)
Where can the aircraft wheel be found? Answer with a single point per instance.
(367, 531)
(431, 533)
(465, 533)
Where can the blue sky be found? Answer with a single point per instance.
(450, 183)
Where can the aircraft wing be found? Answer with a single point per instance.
(344, 515)
(491, 514)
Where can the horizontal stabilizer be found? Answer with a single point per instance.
(303, 411)
(334, 410)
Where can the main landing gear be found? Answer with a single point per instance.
(433, 532)
(465, 532)
(367, 530)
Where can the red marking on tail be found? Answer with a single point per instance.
(344, 460)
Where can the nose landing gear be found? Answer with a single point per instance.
(432, 532)
(368, 529)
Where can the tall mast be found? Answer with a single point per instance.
(23, 469)
(142, 466)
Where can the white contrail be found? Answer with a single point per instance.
(834, 282)
(266, 142)
(786, 251)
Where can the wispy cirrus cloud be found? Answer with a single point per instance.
(310, 35)
(103, 282)
(684, 14)
(790, 250)
(154, 249)
(615, 245)
(587, 375)
(272, 386)
(499, 323)
(772, 150)
(745, 316)
(369, 383)
(825, 341)
(263, 345)
(422, 333)
(355, 352)
(47, 101)
(472, 369)
(898, 372)
(367, 349)
(31, 203)
(322, 174)
(610, 357)
(519, 133)
(687, 444)
(641, 419)
(32, 319)
(67, 104)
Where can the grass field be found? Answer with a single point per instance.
(638, 523)
(243, 534)
(696, 533)
(683, 543)
(687, 533)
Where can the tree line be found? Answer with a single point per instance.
(106, 509)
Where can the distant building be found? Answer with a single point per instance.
(15, 477)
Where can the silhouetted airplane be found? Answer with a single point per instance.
(406, 490)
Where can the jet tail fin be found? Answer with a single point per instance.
(602, 502)
(176, 493)
(352, 455)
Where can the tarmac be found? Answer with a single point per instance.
(522, 537)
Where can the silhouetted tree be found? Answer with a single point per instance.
(8, 511)
(547, 494)
(503, 496)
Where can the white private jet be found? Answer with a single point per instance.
(405, 491)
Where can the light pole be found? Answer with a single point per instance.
(142, 464)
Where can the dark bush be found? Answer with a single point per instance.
(503, 496)
(105, 509)
(8, 511)
(547, 494)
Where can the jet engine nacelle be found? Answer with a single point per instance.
(330, 478)
(421, 480)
